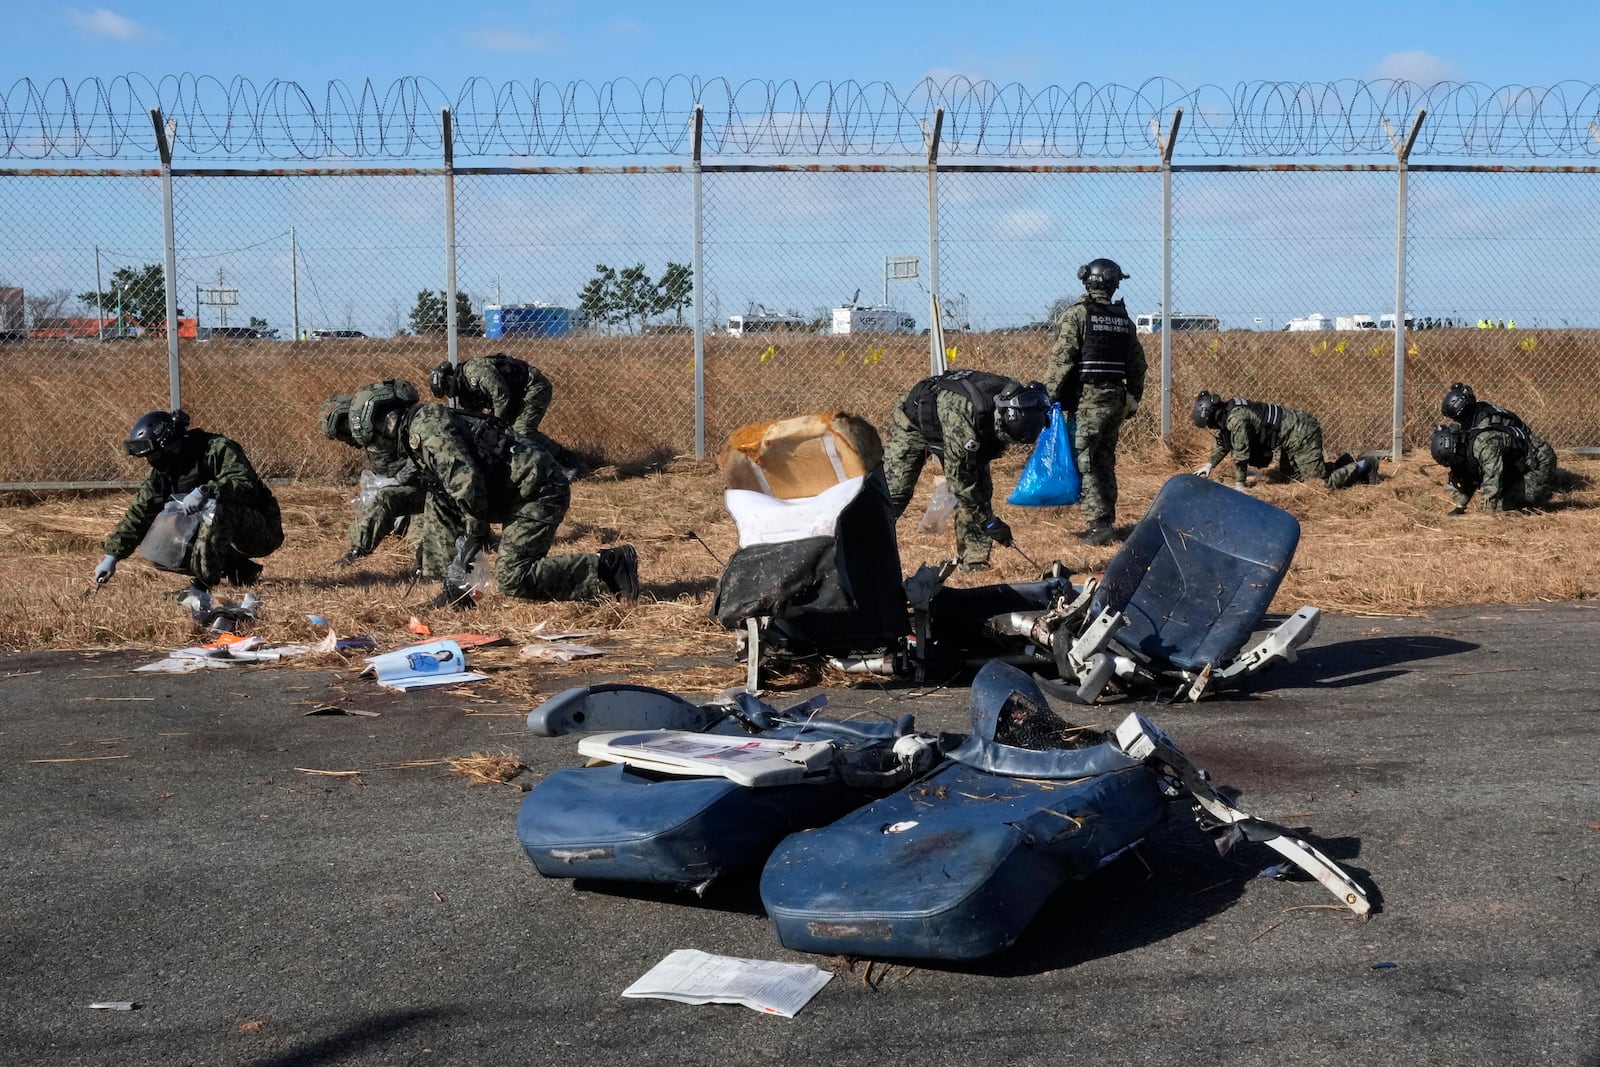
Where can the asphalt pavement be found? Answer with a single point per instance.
(164, 846)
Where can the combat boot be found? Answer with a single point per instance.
(1098, 533)
(242, 571)
(1367, 466)
(619, 570)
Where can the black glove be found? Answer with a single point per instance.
(999, 532)
(467, 549)
(456, 595)
(348, 558)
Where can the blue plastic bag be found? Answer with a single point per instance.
(1050, 478)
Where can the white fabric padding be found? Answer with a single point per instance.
(767, 520)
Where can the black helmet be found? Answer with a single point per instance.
(1207, 410)
(1021, 412)
(1101, 274)
(157, 433)
(1448, 445)
(1458, 400)
(335, 419)
(442, 382)
(373, 403)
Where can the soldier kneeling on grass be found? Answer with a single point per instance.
(392, 507)
(199, 468)
(1256, 433)
(1493, 454)
(479, 470)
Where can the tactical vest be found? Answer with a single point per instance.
(1271, 416)
(1493, 417)
(1107, 333)
(979, 387)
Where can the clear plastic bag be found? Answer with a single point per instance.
(940, 508)
(167, 543)
(480, 578)
(370, 484)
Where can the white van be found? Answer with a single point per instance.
(1184, 322)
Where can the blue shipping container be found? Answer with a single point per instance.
(526, 320)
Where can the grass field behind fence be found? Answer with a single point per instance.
(629, 401)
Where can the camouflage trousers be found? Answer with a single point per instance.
(1102, 407)
(903, 460)
(1300, 451)
(1524, 483)
(524, 568)
(433, 536)
(236, 534)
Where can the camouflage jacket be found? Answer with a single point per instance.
(964, 450)
(1062, 378)
(207, 459)
(1250, 438)
(462, 459)
(502, 386)
(1496, 456)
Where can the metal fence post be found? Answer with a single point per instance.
(165, 133)
(695, 177)
(936, 356)
(1402, 151)
(449, 238)
(1164, 144)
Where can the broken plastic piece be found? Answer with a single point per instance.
(114, 1005)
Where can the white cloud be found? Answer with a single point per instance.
(1424, 68)
(1027, 223)
(103, 23)
(509, 41)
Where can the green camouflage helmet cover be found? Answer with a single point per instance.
(334, 418)
(372, 403)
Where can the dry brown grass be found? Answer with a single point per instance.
(1384, 549)
(631, 399)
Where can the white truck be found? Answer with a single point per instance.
(1355, 322)
(1314, 321)
(858, 319)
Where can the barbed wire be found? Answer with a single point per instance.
(984, 120)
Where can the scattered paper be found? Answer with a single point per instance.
(210, 657)
(559, 653)
(474, 640)
(693, 977)
(564, 635)
(416, 666)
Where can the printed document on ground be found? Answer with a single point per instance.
(690, 976)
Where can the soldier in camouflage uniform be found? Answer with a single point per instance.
(392, 507)
(966, 419)
(515, 392)
(1492, 454)
(1096, 374)
(198, 467)
(486, 474)
(1255, 433)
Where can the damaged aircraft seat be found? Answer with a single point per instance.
(957, 863)
(688, 793)
(1184, 593)
(818, 567)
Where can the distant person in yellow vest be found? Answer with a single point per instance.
(1483, 324)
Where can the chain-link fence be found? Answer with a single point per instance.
(671, 302)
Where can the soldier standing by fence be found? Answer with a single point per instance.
(1096, 374)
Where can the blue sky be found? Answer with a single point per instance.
(1536, 42)
(1249, 250)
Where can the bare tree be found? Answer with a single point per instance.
(45, 308)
